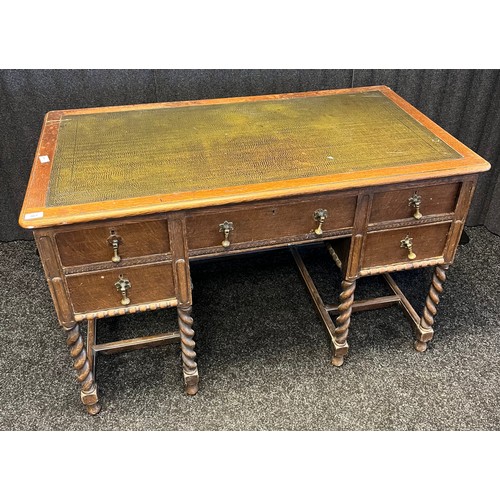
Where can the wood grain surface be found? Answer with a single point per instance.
(394, 205)
(384, 247)
(97, 291)
(85, 246)
(269, 223)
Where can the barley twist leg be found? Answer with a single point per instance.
(84, 374)
(188, 354)
(340, 346)
(425, 329)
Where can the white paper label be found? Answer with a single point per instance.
(44, 159)
(33, 215)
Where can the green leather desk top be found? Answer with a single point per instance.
(105, 163)
(135, 153)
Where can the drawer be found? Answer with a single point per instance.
(97, 291)
(384, 247)
(434, 200)
(270, 222)
(86, 246)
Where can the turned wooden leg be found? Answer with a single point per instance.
(91, 334)
(189, 365)
(425, 331)
(83, 371)
(340, 346)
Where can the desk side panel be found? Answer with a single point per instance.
(55, 278)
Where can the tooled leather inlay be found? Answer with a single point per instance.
(136, 153)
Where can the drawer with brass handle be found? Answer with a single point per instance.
(228, 226)
(129, 286)
(112, 242)
(414, 203)
(410, 244)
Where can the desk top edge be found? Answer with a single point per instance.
(58, 114)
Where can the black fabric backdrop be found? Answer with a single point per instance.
(464, 102)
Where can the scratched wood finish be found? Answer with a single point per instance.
(270, 222)
(384, 247)
(393, 205)
(97, 291)
(86, 246)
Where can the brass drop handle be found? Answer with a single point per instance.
(114, 240)
(320, 216)
(122, 285)
(116, 258)
(226, 227)
(408, 244)
(415, 202)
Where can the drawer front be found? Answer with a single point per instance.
(271, 223)
(87, 246)
(384, 247)
(97, 291)
(434, 200)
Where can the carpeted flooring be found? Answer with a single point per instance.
(263, 354)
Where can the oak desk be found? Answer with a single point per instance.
(121, 199)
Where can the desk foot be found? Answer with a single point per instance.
(338, 360)
(342, 322)
(84, 373)
(189, 366)
(420, 346)
(93, 409)
(191, 383)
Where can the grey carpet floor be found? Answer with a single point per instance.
(263, 353)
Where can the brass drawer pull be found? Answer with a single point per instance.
(226, 227)
(320, 215)
(415, 202)
(114, 240)
(408, 244)
(122, 285)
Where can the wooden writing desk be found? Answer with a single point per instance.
(121, 199)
